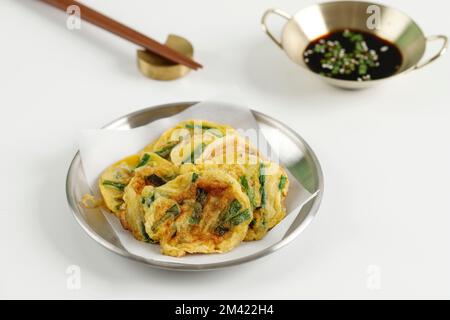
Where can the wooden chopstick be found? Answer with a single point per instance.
(125, 32)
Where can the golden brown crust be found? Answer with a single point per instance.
(209, 231)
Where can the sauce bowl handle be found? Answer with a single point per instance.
(265, 28)
(437, 55)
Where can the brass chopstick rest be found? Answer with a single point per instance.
(158, 68)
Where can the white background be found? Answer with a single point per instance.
(384, 151)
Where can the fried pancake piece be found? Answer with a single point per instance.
(156, 171)
(164, 145)
(191, 148)
(246, 174)
(231, 149)
(113, 181)
(204, 212)
(266, 185)
(273, 186)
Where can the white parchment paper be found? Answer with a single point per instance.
(100, 148)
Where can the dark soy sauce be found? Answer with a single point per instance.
(353, 55)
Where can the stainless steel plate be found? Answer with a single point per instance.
(295, 154)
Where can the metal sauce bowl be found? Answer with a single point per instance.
(317, 20)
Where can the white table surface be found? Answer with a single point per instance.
(383, 227)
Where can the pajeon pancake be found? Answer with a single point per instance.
(273, 186)
(191, 148)
(266, 185)
(199, 188)
(231, 149)
(113, 181)
(115, 178)
(246, 174)
(204, 212)
(156, 172)
(186, 129)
